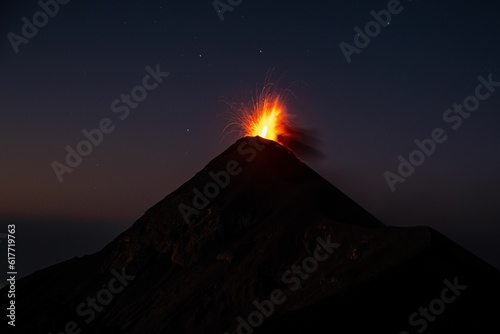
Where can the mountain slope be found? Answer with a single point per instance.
(256, 224)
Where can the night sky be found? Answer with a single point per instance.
(368, 108)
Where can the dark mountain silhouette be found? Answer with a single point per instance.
(277, 249)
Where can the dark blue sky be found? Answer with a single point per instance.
(367, 112)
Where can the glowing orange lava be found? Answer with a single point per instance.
(264, 116)
(266, 119)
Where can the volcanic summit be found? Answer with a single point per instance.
(258, 242)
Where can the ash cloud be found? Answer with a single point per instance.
(304, 142)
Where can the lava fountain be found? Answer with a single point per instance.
(266, 116)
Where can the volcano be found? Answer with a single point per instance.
(257, 242)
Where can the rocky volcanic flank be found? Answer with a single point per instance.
(259, 242)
